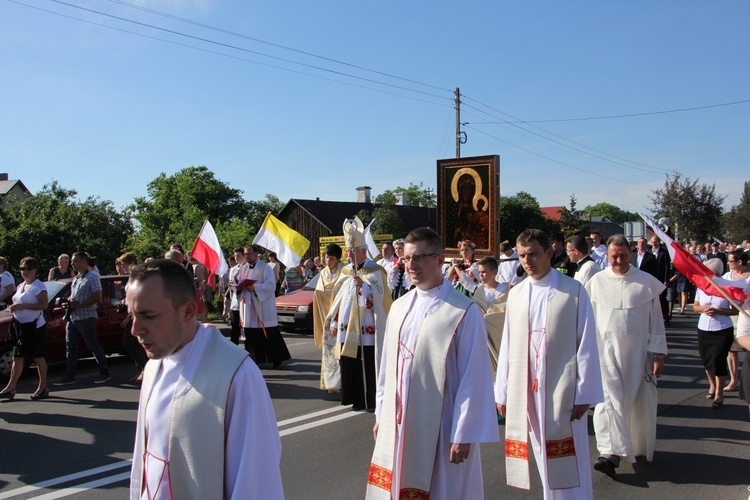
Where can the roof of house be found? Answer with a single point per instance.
(331, 214)
(552, 213)
(7, 186)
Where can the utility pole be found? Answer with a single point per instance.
(458, 123)
(460, 134)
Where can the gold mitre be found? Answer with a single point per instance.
(354, 233)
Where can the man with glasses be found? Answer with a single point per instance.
(578, 253)
(434, 398)
(548, 375)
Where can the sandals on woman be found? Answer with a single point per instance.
(718, 404)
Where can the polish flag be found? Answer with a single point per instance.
(207, 251)
(696, 272)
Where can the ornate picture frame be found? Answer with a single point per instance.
(468, 203)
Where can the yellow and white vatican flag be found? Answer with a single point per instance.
(277, 237)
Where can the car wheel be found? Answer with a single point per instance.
(6, 359)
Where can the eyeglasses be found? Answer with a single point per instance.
(417, 258)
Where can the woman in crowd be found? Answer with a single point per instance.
(29, 304)
(294, 279)
(7, 284)
(273, 263)
(464, 272)
(63, 269)
(715, 336)
(130, 343)
(737, 262)
(398, 279)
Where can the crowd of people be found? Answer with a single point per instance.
(441, 350)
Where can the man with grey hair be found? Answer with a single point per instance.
(632, 346)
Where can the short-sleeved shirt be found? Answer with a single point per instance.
(27, 294)
(6, 279)
(84, 286)
(713, 323)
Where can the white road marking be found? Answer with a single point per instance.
(64, 479)
(73, 490)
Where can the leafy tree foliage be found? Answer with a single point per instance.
(611, 212)
(520, 212)
(177, 206)
(571, 219)
(54, 221)
(416, 196)
(694, 210)
(387, 221)
(736, 222)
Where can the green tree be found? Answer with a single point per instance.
(736, 222)
(694, 210)
(571, 219)
(611, 212)
(387, 221)
(55, 221)
(416, 196)
(520, 212)
(177, 206)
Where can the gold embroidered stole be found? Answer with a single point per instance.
(559, 389)
(425, 400)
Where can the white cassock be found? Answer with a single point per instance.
(588, 383)
(630, 329)
(468, 415)
(585, 271)
(507, 269)
(253, 446)
(261, 299)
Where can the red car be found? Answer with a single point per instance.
(109, 331)
(295, 310)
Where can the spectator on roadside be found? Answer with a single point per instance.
(86, 292)
(309, 271)
(715, 336)
(294, 278)
(174, 255)
(202, 288)
(7, 283)
(318, 263)
(131, 345)
(236, 294)
(29, 304)
(273, 263)
(398, 279)
(738, 269)
(185, 261)
(62, 270)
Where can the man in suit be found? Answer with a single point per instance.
(664, 273)
(643, 259)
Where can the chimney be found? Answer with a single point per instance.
(3, 177)
(363, 194)
(401, 199)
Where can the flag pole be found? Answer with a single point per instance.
(726, 296)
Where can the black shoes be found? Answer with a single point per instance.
(605, 466)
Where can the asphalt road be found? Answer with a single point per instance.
(78, 442)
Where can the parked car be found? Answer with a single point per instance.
(108, 329)
(295, 310)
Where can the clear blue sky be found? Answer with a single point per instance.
(105, 111)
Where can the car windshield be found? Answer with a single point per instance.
(312, 283)
(53, 288)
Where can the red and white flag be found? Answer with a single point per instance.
(207, 251)
(695, 271)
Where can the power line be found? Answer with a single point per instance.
(273, 44)
(559, 162)
(611, 117)
(235, 47)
